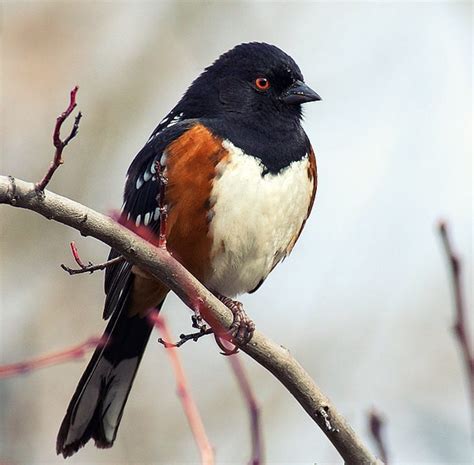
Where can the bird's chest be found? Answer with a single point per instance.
(254, 219)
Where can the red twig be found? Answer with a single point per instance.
(57, 142)
(90, 268)
(75, 254)
(254, 410)
(190, 409)
(376, 425)
(61, 356)
(460, 324)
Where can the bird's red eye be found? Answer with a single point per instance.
(262, 83)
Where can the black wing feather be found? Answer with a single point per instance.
(140, 204)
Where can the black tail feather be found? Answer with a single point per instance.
(97, 405)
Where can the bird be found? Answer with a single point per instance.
(235, 172)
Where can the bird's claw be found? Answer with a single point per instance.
(242, 328)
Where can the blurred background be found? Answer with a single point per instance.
(364, 302)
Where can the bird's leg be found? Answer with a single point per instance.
(242, 327)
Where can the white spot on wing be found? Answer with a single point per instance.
(156, 215)
(146, 176)
(146, 220)
(138, 220)
(139, 182)
(167, 122)
(175, 120)
(163, 159)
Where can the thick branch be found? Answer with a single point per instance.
(159, 263)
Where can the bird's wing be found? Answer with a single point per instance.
(140, 207)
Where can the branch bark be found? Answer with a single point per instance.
(160, 264)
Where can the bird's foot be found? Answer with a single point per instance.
(242, 328)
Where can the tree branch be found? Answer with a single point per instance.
(57, 142)
(91, 267)
(253, 408)
(161, 265)
(461, 324)
(72, 353)
(376, 425)
(189, 407)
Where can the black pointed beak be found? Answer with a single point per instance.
(299, 92)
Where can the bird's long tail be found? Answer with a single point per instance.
(97, 405)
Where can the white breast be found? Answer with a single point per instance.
(255, 219)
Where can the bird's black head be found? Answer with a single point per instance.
(255, 79)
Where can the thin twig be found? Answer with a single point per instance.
(460, 324)
(376, 425)
(57, 142)
(253, 408)
(55, 358)
(89, 268)
(162, 266)
(199, 324)
(189, 407)
(183, 338)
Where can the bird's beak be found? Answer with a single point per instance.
(299, 92)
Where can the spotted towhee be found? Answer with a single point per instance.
(241, 181)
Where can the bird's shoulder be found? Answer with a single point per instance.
(184, 149)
